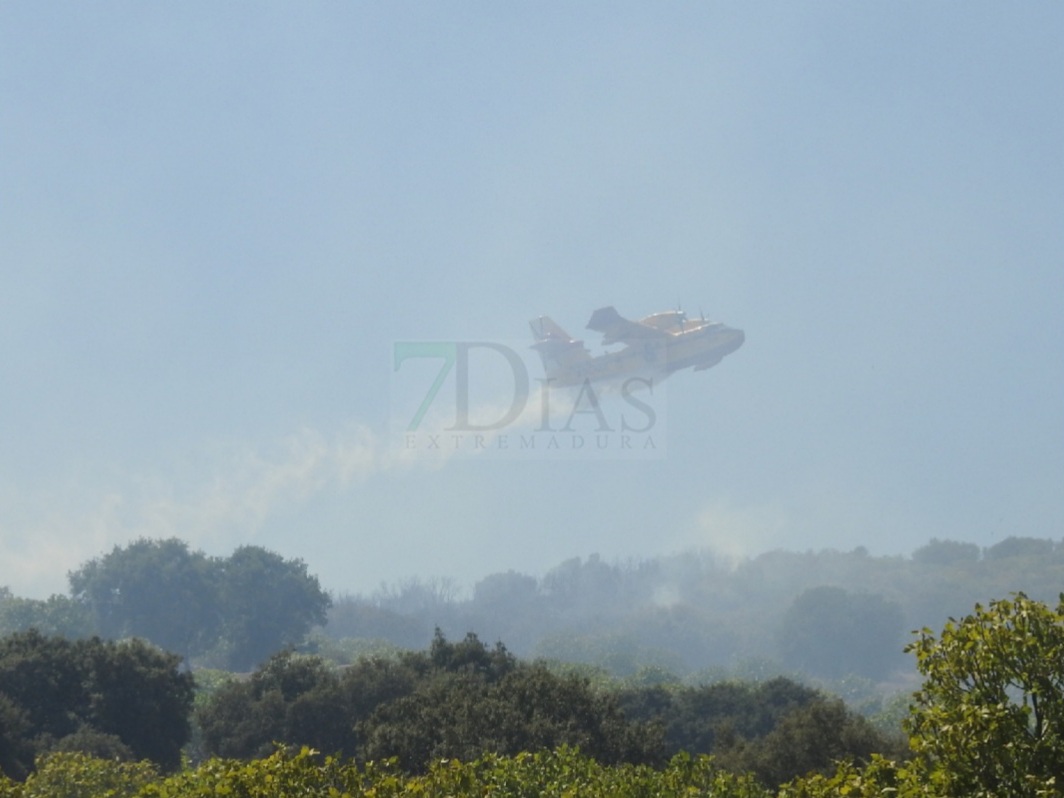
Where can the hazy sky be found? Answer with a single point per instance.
(217, 218)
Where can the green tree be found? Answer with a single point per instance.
(243, 607)
(16, 750)
(268, 603)
(1031, 548)
(46, 678)
(831, 632)
(462, 714)
(700, 720)
(989, 718)
(946, 552)
(245, 718)
(881, 777)
(155, 589)
(56, 615)
(103, 697)
(810, 738)
(138, 695)
(354, 617)
(77, 775)
(456, 700)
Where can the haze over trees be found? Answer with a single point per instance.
(829, 615)
(464, 700)
(675, 629)
(240, 608)
(826, 614)
(830, 632)
(986, 721)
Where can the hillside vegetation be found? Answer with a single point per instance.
(446, 722)
(824, 614)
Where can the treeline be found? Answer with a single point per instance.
(455, 701)
(985, 721)
(126, 701)
(828, 614)
(547, 774)
(230, 612)
(464, 700)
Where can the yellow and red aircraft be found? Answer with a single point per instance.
(654, 347)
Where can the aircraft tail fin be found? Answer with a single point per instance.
(557, 349)
(544, 329)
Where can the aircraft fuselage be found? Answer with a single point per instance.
(655, 347)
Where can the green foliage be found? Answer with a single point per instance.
(881, 777)
(44, 676)
(359, 618)
(293, 698)
(987, 722)
(691, 613)
(95, 743)
(564, 773)
(990, 714)
(348, 650)
(777, 729)
(16, 750)
(138, 695)
(1028, 548)
(470, 656)
(279, 774)
(78, 775)
(989, 718)
(807, 739)
(831, 632)
(56, 615)
(460, 715)
(154, 589)
(457, 700)
(698, 719)
(267, 603)
(946, 553)
(243, 607)
(104, 697)
(621, 655)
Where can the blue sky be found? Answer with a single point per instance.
(216, 220)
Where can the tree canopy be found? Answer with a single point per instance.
(830, 632)
(990, 714)
(462, 718)
(239, 608)
(126, 699)
(155, 589)
(988, 720)
(457, 699)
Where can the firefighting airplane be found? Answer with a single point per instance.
(655, 347)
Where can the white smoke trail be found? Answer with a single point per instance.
(225, 497)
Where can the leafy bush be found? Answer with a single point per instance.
(457, 700)
(71, 774)
(126, 699)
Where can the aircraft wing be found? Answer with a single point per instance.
(614, 327)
